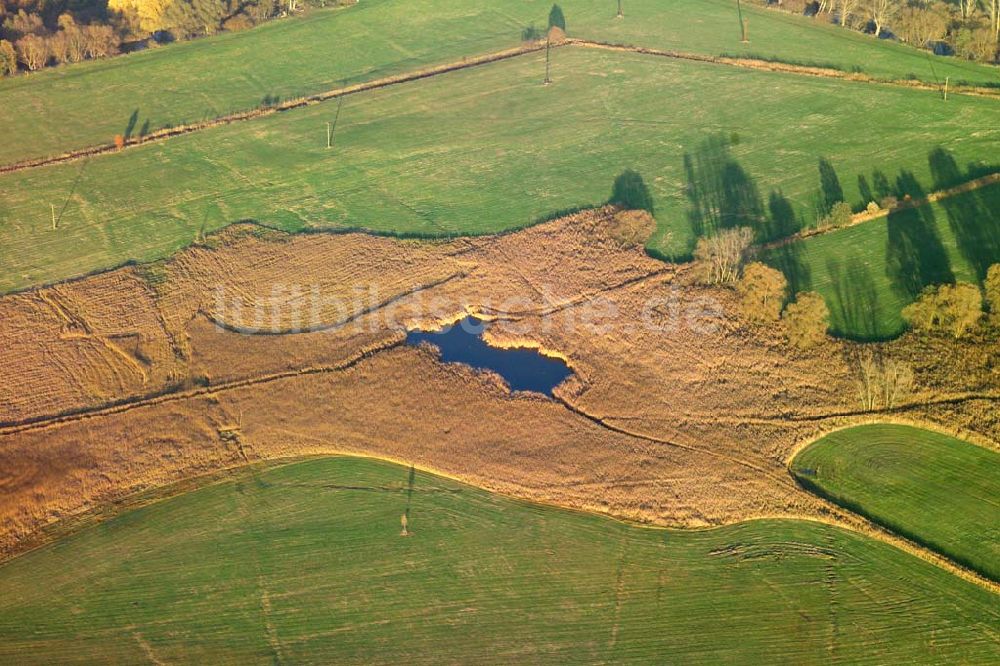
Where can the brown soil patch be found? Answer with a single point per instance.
(678, 414)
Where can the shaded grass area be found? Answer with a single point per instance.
(491, 149)
(870, 272)
(306, 563)
(72, 107)
(936, 490)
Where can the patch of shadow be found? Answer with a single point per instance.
(721, 193)
(915, 255)
(854, 308)
(630, 191)
(974, 217)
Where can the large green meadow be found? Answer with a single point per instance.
(65, 108)
(306, 563)
(490, 148)
(932, 488)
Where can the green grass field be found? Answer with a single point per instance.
(870, 272)
(490, 149)
(935, 489)
(66, 108)
(305, 563)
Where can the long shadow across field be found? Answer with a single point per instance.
(975, 221)
(915, 255)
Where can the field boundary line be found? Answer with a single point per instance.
(468, 62)
(906, 204)
(784, 68)
(296, 103)
(172, 395)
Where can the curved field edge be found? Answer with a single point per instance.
(383, 38)
(930, 488)
(305, 561)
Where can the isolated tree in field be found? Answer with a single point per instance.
(806, 320)
(8, 58)
(621, 10)
(720, 257)
(556, 18)
(949, 308)
(632, 228)
(119, 141)
(992, 288)
(762, 292)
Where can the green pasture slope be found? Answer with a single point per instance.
(488, 149)
(66, 108)
(870, 272)
(934, 489)
(305, 563)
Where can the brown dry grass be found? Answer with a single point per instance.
(691, 425)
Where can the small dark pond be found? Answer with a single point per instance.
(523, 369)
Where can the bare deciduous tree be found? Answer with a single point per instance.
(881, 382)
(882, 12)
(33, 51)
(847, 9)
(721, 256)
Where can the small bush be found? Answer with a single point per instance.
(840, 216)
(806, 320)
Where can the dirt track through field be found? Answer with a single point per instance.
(861, 218)
(476, 61)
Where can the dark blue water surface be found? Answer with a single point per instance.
(524, 369)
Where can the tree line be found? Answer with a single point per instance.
(966, 28)
(42, 33)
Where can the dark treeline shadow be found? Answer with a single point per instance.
(130, 125)
(630, 191)
(830, 191)
(915, 255)
(974, 218)
(720, 192)
(789, 260)
(854, 310)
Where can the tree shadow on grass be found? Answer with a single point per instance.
(974, 217)
(830, 191)
(915, 255)
(630, 191)
(854, 308)
(789, 260)
(720, 192)
(130, 125)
